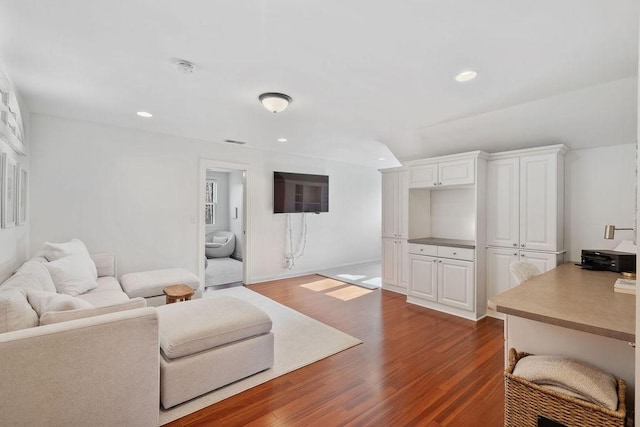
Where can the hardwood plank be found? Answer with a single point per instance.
(415, 367)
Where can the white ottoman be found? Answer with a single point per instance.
(208, 343)
(149, 284)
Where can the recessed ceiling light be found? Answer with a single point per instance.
(465, 76)
(282, 139)
(381, 158)
(144, 114)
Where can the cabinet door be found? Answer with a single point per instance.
(424, 277)
(404, 267)
(503, 206)
(389, 261)
(538, 202)
(544, 262)
(456, 283)
(423, 176)
(403, 204)
(498, 273)
(456, 172)
(390, 199)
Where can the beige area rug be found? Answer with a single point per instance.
(299, 341)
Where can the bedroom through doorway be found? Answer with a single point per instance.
(224, 226)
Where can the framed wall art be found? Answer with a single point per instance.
(9, 193)
(21, 181)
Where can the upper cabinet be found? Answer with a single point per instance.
(11, 127)
(443, 173)
(525, 199)
(395, 204)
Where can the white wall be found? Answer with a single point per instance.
(236, 192)
(600, 188)
(222, 205)
(135, 194)
(14, 241)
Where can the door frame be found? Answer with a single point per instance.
(202, 178)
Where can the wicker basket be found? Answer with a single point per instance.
(524, 401)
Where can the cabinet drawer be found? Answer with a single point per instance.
(455, 253)
(417, 249)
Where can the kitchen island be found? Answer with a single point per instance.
(573, 312)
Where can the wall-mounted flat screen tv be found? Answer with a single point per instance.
(300, 192)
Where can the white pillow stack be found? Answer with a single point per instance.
(71, 267)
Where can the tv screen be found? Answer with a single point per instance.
(299, 192)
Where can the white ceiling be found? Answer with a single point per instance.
(364, 74)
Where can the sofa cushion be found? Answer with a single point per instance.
(102, 299)
(193, 326)
(43, 302)
(40, 272)
(55, 251)
(150, 283)
(63, 316)
(107, 284)
(15, 311)
(71, 275)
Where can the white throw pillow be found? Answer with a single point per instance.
(39, 272)
(15, 311)
(219, 239)
(213, 245)
(43, 302)
(71, 275)
(55, 251)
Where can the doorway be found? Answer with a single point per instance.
(223, 227)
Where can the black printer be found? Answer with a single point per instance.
(602, 259)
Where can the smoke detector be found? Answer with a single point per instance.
(185, 67)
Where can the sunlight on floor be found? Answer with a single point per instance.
(322, 285)
(349, 293)
(352, 276)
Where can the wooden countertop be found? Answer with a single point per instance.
(574, 298)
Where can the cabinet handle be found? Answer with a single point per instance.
(522, 255)
(434, 260)
(522, 245)
(455, 253)
(439, 183)
(515, 245)
(439, 260)
(515, 254)
(435, 183)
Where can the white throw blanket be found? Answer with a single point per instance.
(567, 375)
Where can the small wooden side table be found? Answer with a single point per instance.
(177, 293)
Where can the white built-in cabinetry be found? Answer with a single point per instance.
(443, 275)
(525, 200)
(446, 172)
(395, 263)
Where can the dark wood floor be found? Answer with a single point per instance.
(415, 367)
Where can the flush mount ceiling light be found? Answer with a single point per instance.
(465, 76)
(144, 114)
(274, 101)
(185, 66)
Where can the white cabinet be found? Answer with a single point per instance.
(445, 281)
(395, 263)
(455, 283)
(443, 173)
(499, 278)
(525, 200)
(395, 205)
(424, 277)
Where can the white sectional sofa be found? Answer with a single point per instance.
(91, 359)
(75, 350)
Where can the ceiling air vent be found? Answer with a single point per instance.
(233, 141)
